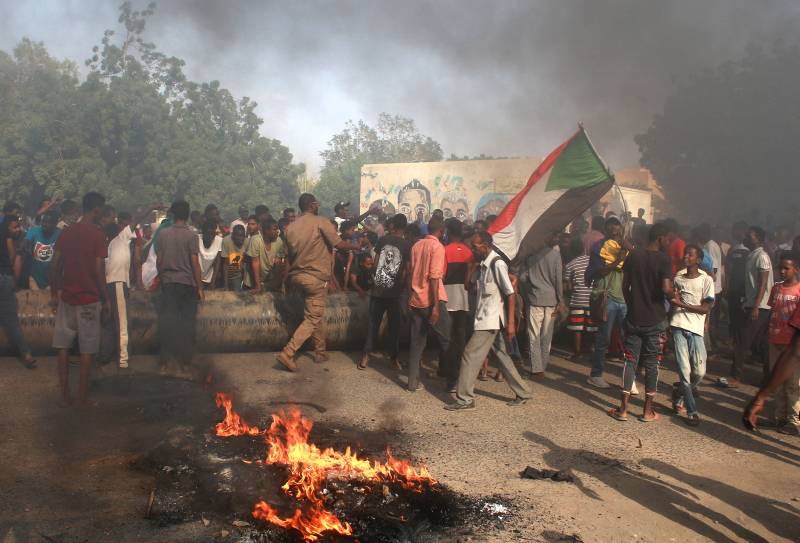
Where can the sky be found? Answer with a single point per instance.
(502, 77)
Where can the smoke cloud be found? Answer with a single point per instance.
(503, 78)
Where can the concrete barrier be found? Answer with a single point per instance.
(226, 322)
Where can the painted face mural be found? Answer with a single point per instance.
(414, 201)
(454, 206)
(490, 204)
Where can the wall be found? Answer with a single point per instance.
(467, 189)
(226, 322)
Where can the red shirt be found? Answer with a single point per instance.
(794, 322)
(456, 253)
(80, 245)
(427, 262)
(676, 250)
(784, 302)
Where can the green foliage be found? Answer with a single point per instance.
(726, 141)
(395, 139)
(136, 130)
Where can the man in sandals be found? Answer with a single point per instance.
(646, 285)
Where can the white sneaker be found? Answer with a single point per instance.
(634, 390)
(598, 382)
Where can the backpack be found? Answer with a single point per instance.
(736, 270)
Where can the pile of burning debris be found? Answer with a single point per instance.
(301, 491)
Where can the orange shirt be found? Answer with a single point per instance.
(427, 262)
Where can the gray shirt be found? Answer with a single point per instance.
(543, 271)
(757, 261)
(174, 248)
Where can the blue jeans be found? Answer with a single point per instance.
(690, 355)
(616, 316)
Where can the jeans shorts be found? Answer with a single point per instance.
(82, 321)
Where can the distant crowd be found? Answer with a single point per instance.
(618, 286)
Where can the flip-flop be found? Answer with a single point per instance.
(614, 414)
(724, 383)
(654, 419)
(483, 377)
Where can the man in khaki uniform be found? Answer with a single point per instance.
(310, 241)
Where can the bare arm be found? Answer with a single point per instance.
(511, 329)
(255, 264)
(763, 276)
(14, 258)
(784, 369)
(347, 270)
(704, 308)
(345, 245)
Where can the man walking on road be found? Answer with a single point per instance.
(545, 296)
(77, 288)
(428, 299)
(647, 283)
(759, 280)
(491, 315)
(310, 241)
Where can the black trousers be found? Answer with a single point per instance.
(177, 322)
(377, 308)
(450, 362)
(753, 338)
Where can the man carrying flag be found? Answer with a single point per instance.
(565, 184)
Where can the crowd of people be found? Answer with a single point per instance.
(617, 286)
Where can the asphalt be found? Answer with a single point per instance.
(65, 472)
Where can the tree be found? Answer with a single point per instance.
(43, 149)
(726, 141)
(395, 139)
(136, 130)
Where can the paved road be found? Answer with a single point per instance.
(64, 473)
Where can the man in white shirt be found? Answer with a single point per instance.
(243, 214)
(118, 281)
(491, 315)
(692, 301)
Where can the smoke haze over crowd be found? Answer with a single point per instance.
(504, 79)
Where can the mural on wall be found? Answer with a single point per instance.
(466, 189)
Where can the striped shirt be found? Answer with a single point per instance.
(574, 275)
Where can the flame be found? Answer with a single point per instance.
(309, 468)
(233, 425)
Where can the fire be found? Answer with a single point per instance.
(233, 425)
(310, 466)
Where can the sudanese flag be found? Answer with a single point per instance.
(566, 183)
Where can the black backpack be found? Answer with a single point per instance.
(736, 271)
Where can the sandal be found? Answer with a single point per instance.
(615, 414)
(656, 416)
(483, 377)
(724, 383)
(29, 363)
